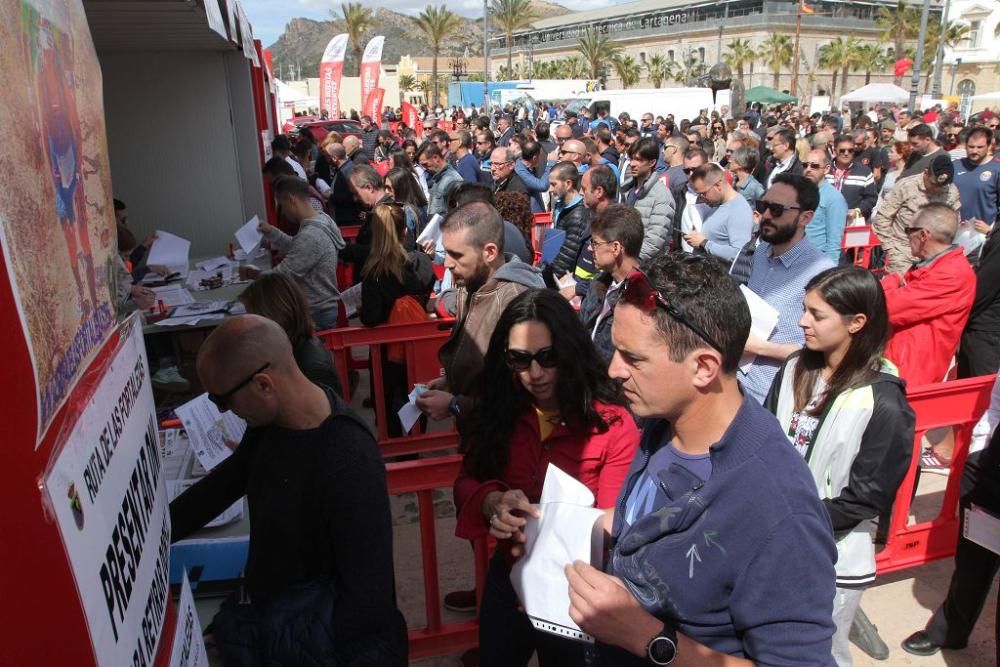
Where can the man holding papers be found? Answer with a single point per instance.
(319, 569)
(310, 255)
(721, 551)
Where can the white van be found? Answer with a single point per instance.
(681, 102)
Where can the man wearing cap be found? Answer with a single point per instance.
(886, 134)
(900, 207)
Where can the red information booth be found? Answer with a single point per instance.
(85, 521)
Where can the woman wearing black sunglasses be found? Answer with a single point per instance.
(546, 398)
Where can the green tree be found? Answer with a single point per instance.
(739, 53)
(776, 52)
(628, 70)
(871, 58)
(836, 55)
(572, 67)
(659, 69)
(407, 82)
(898, 25)
(691, 67)
(511, 16)
(437, 23)
(596, 50)
(355, 19)
(508, 74)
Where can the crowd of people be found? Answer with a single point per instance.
(743, 471)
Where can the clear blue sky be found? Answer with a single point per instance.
(269, 17)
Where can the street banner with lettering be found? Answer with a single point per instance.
(331, 67)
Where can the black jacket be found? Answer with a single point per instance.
(341, 206)
(319, 509)
(985, 314)
(590, 310)
(575, 221)
(379, 293)
(512, 184)
(316, 363)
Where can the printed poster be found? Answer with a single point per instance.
(189, 645)
(57, 227)
(105, 487)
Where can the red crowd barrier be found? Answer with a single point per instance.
(958, 404)
(541, 222)
(422, 477)
(861, 240)
(421, 342)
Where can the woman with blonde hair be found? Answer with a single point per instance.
(395, 286)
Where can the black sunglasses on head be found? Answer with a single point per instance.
(221, 401)
(639, 293)
(520, 360)
(777, 210)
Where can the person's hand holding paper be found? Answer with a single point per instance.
(568, 530)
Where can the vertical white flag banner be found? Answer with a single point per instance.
(371, 68)
(331, 67)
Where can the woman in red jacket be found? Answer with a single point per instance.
(546, 398)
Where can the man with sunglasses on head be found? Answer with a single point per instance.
(901, 206)
(717, 514)
(320, 562)
(783, 263)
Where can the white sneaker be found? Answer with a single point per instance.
(169, 379)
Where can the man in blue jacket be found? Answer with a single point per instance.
(721, 551)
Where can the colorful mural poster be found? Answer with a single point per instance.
(57, 224)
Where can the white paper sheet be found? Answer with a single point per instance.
(248, 237)
(213, 264)
(567, 531)
(351, 298)
(982, 527)
(208, 430)
(201, 308)
(432, 232)
(410, 413)
(763, 319)
(169, 250)
(189, 320)
(173, 295)
(234, 512)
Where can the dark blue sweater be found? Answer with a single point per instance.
(743, 562)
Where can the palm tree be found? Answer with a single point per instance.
(512, 15)
(437, 23)
(407, 82)
(871, 58)
(776, 52)
(355, 19)
(509, 74)
(627, 69)
(658, 68)
(835, 55)
(597, 50)
(572, 67)
(691, 66)
(424, 86)
(955, 33)
(898, 24)
(740, 52)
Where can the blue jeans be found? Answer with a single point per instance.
(506, 636)
(325, 319)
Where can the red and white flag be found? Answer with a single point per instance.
(331, 67)
(411, 118)
(374, 106)
(371, 67)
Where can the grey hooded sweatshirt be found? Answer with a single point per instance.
(311, 258)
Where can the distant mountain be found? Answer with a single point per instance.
(300, 47)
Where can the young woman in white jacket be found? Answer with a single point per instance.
(845, 410)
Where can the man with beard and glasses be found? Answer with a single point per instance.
(784, 261)
(487, 280)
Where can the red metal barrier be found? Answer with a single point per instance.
(422, 477)
(957, 404)
(421, 342)
(541, 222)
(860, 240)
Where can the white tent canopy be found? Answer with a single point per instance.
(877, 92)
(988, 97)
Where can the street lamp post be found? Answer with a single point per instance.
(915, 80)
(954, 71)
(486, 55)
(939, 59)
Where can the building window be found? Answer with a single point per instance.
(975, 30)
(701, 54)
(642, 57)
(670, 55)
